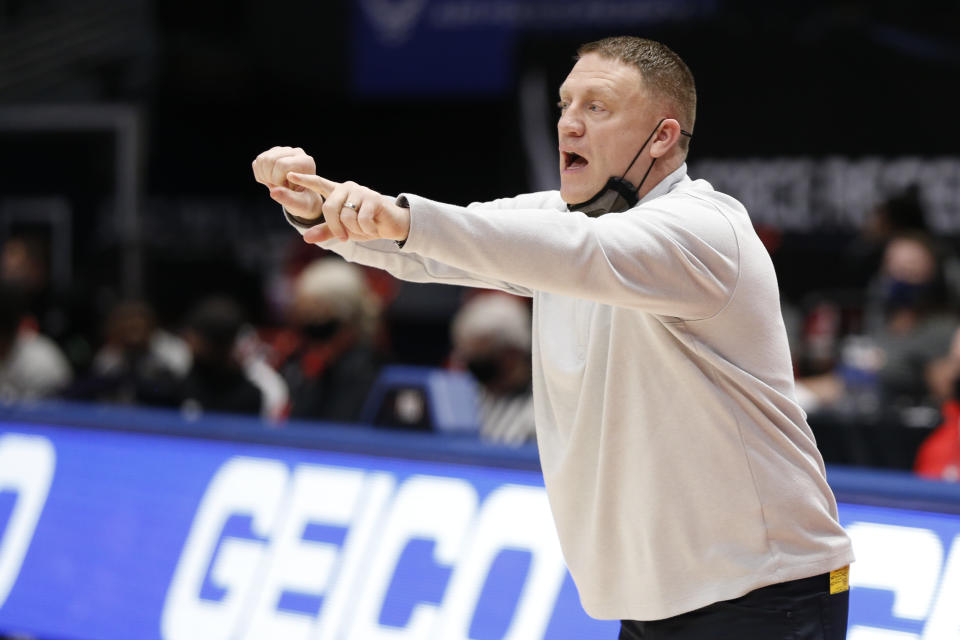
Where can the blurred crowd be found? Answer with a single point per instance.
(881, 342)
(317, 363)
(881, 345)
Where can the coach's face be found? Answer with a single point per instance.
(605, 117)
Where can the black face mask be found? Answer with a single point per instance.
(618, 194)
(484, 368)
(322, 331)
(899, 294)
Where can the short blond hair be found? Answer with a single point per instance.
(662, 70)
(340, 290)
(502, 318)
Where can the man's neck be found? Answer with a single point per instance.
(662, 168)
(665, 184)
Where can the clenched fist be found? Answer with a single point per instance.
(271, 168)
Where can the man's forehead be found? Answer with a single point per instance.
(596, 74)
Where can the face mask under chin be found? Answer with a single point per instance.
(616, 195)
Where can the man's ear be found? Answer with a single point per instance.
(666, 138)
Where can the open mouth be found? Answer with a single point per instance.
(573, 160)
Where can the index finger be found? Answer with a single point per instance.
(318, 185)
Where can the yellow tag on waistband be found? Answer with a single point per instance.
(840, 580)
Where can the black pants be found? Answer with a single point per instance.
(796, 610)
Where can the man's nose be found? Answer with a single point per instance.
(569, 124)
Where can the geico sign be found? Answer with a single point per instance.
(26, 469)
(352, 575)
(909, 561)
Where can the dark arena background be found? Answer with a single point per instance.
(136, 249)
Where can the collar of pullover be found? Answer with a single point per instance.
(666, 185)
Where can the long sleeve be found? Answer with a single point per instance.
(406, 265)
(675, 256)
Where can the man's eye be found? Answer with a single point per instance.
(562, 105)
(595, 107)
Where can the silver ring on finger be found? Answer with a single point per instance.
(350, 205)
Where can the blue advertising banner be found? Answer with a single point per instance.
(112, 534)
(415, 47)
(120, 535)
(906, 582)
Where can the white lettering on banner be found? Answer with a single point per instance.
(27, 465)
(913, 573)
(379, 520)
(363, 535)
(439, 509)
(246, 486)
(317, 495)
(365, 520)
(806, 194)
(513, 517)
(944, 621)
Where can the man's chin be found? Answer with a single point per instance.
(579, 186)
(576, 196)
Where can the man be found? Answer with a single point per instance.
(688, 494)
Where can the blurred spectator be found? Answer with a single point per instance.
(943, 374)
(907, 330)
(814, 344)
(328, 360)
(491, 338)
(222, 377)
(253, 354)
(62, 315)
(132, 335)
(939, 455)
(902, 213)
(916, 329)
(24, 263)
(31, 365)
(139, 363)
(909, 286)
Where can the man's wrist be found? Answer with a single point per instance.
(306, 223)
(303, 222)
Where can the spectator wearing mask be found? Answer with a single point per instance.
(914, 328)
(31, 364)
(491, 338)
(139, 363)
(908, 330)
(331, 365)
(221, 378)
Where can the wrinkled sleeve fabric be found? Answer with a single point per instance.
(410, 266)
(675, 256)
